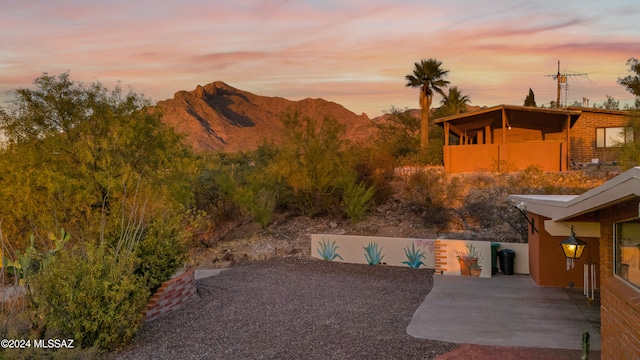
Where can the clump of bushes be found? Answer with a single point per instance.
(314, 171)
(96, 292)
(433, 194)
(92, 295)
(478, 201)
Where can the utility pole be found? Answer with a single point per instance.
(562, 79)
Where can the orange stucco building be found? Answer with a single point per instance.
(508, 137)
(607, 218)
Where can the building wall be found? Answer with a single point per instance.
(547, 263)
(620, 301)
(583, 135)
(548, 155)
(534, 247)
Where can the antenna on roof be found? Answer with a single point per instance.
(562, 79)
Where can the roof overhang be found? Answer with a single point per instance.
(622, 188)
(519, 116)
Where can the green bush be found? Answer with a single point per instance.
(312, 164)
(161, 250)
(375, 168)
(91, 295)
(356, 200)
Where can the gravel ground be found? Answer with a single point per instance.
(295, 308)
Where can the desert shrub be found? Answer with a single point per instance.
(398, 133)
(311, 164)
(161, 250)
(375, 168)
(214, 193)
(92, 295)
(485, 202)
(434, 153)
(435, 195)
(356, 200)
(533, 180)
(485, 206)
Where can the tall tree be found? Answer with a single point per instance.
(454, 102)
(429, 77)
(632, 82)
(610, 104)
(74, 152)
(530, 100)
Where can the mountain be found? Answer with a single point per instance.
(219, 117)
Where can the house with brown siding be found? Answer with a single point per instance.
(509, 137)
(607, 219)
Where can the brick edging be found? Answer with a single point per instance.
(171, 295)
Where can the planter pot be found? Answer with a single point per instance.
(466, 265)
(475, 272)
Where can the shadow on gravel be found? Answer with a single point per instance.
(295, 308)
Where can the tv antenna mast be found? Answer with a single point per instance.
(562, 79)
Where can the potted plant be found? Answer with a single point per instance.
(468, 260)
(475, 269)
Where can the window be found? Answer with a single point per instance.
(627, 251)
(613, 136)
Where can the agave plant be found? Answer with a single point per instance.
(373, 254)
(328, 250)
(414, 257)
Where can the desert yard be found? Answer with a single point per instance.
(295, 308)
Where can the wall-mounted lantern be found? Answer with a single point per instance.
(572, 248)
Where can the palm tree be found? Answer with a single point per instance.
(455, 103)
(428, 76)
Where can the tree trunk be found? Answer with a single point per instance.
(425, 104)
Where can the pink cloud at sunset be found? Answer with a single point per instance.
(355, 53)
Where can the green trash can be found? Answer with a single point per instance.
(494, 257)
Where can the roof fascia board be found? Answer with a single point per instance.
(620, 188)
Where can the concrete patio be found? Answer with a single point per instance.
(506, 310)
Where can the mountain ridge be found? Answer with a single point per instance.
(219, 117)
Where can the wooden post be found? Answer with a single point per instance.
(446, 133)
(504, 126)
(568, 159)
(487, 134)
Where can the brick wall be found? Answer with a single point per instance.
(620, 301)
(583, 135)
(171, 295)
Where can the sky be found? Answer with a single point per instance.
(353, 52)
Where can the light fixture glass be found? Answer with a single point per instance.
(572, 248)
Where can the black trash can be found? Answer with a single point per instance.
(506, 261)
(494, 257)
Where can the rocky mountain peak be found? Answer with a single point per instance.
(219, 117)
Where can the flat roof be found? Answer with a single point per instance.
(623, 187)
(526, 116)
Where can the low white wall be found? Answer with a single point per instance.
(521, 261)
(439, 254)
(350, 248)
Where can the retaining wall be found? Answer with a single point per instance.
(172, 294)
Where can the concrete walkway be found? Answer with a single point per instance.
(505, 311)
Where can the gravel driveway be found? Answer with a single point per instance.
(295, 308)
